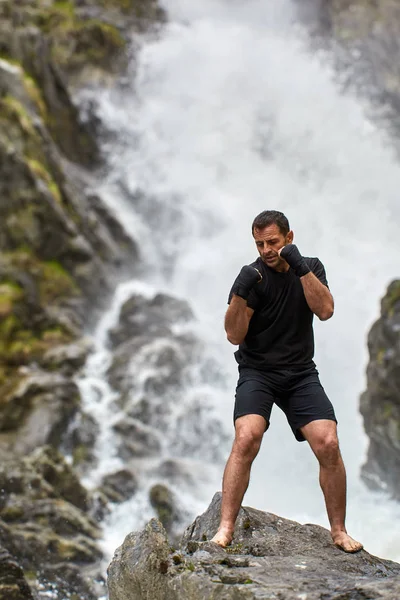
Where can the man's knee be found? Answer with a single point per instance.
(247, 442)
(327, 450)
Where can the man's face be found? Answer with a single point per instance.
(269, 241)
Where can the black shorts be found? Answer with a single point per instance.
(298, 393)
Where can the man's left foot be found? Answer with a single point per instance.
(343, 541)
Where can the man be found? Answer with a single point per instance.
(270, 315)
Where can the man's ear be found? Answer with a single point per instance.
(289, 237)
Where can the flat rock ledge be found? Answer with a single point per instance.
(270, 558)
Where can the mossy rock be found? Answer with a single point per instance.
(10, 293)
(26, 333)
(161, 498)
(391, 301)
(52, 466)
(90, 42)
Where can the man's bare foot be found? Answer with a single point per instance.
(223, 537)
(343, 541)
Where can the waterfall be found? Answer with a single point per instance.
(225, 113)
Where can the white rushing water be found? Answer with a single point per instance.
(232, 115)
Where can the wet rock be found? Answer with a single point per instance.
(13, 585)
(270, 557)
(40, 525)
(120, 486)
(380, 403)
(176, 471)
(152, 318)
(40, 408)
(139, 566)
(61, 252)
(79, 441)
(63, 518)
(54, 469)
(137, 440)
(162, 499)
(152, 365)
(67, 359)
(364, 36)
(142, 409)
(62, 580)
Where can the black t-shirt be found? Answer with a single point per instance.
(280, 333)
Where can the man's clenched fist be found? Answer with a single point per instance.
(291, 254)
(245, 281)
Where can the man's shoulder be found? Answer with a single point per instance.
(313, 262)
(317, 268)
(257, 263)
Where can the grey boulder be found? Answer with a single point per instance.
(270, 558)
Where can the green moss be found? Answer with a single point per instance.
(11, 513)
(80, 454)
(15, 110)
(56, 16)
(37, 168)
(190, 566)
(392, 298)
(12, 61)
(248, 581)
(79, 43)
(247, 524)
(124, 5)
(137, 7)
(235, 549)
(20, 342)
(56, 283)
(380, 356)
(10, 293)
(387, 410)
(8, 327)
(35, 94)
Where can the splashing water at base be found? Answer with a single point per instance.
(230, 116)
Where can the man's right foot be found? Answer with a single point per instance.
(223, 537)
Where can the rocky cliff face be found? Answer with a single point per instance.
(61, 251)
(365, 38)
(270, 557)
(380, 403)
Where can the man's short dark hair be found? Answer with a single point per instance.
(271, 217)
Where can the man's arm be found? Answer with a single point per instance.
(238, 315)
(237, 320)
(318, 296)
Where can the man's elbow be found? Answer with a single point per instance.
(326, 314)
(234, 340)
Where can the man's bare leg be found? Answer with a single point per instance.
(322, 437)
(249, 433)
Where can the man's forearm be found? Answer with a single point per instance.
(318, 297)
(237, 320)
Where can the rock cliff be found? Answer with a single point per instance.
(270, 557)
(380, 403)
(61, 251)
(365, 38)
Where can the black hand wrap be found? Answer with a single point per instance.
(291, 254)
(245, 281)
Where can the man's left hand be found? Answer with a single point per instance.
(291, 254)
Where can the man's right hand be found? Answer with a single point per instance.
(245, 281)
